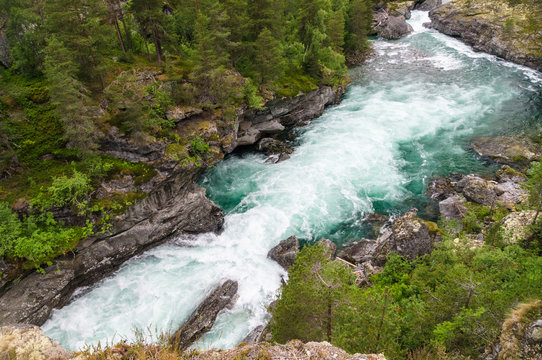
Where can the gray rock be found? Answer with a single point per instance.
(249, 137)
(390, 27)
(177, 206)
(285, 252)
(477, 30)
(203, 318)
(255, 336)
(481, 191)
(271, 146)
(506, 173)
(359, 252)
(408, 236)
(440, 189)
(427, 5)
(510, 193)
(452, 208)
(270, 127)
(509, 150)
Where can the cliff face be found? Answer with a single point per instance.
(175, 204)
(494, 28)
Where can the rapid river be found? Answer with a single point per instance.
(408, 115)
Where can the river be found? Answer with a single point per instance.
(408, 115)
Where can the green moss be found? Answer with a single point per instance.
(116, 203)
(292, 83)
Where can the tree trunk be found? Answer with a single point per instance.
(119, 35)
(147, 47)
(157, 44)
(120, 15)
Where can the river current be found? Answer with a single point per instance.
(408, 115)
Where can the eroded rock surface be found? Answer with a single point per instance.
(203, 318)
(511, 150)
(285, 252)
(390, 27)
(484, 29)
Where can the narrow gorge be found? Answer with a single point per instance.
(409, 115)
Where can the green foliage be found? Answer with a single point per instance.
(454, 299)
(36, 240)
(65, 191)
(534, 187)
(252, 95)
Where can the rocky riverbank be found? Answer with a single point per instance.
(174, 204)
(494, 27)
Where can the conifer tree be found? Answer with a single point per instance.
(149, 16)
(268, 57)
(69, 96)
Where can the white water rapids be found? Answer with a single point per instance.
(407, 116)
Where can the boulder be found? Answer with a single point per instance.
(511, 150)
(203, 318)
(452, 208)
(29, 342)
(480, 191)
(249, 137)
(408, 236)
(516, 226)
(511, 193)
(285, 252)
(427, 5)
(390, 27)
(270, 127)
(359, 252)
(440, 189)
(179, 113)
(255, 336)
(271, 146)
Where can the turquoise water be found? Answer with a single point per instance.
(409, 115)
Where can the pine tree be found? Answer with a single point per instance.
(358, 24)
(268, 57)
(149, 16)
(69, 96)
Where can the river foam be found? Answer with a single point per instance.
(407, 116)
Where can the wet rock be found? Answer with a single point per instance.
(285, 252)
(390, 27)
(427, 5)
(483, 30)
(452, 208)
(203, 318)
(330, 248)
(359, 252)
(440, 188)
(177, 206)
(270, 146)
(516, 226)
(29, 342)
(255, 336)
(275, 159)
(376, 221)
(507, 149)
(480, 191)
(408, 236)
(521, 334)
(294, 349)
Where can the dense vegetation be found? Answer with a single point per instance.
(447, 304)
(78, 68)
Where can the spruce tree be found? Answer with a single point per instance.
(268, 57)
(69, 96)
